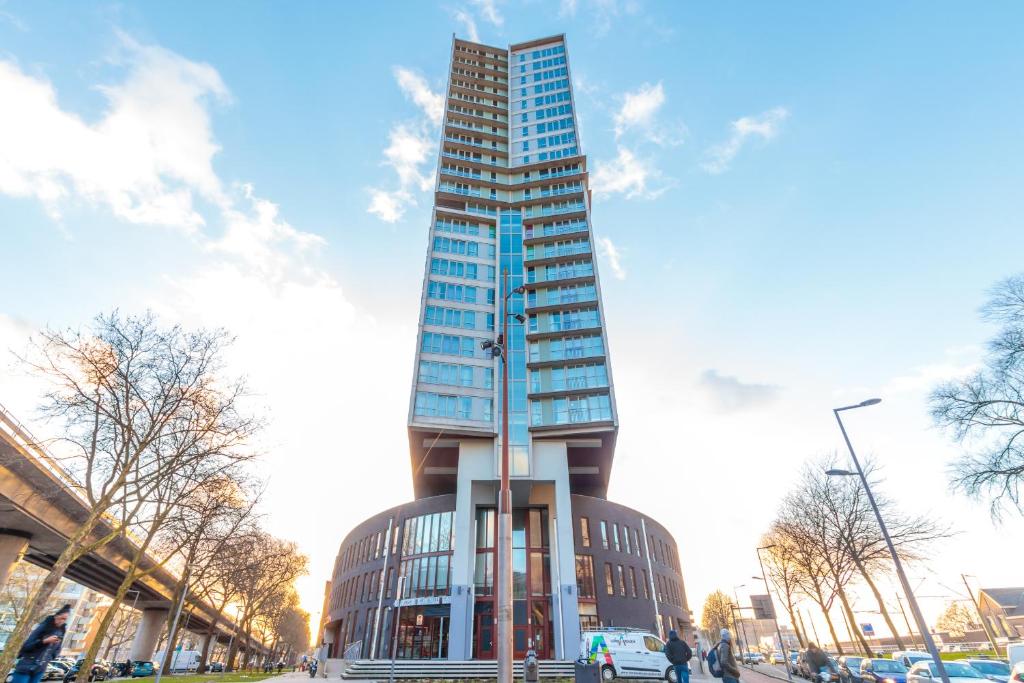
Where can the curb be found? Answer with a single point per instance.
(769, 674)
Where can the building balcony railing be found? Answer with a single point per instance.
(552, 209)
(460, 189)
(555, 229)
(472, 175)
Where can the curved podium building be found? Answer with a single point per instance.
(511, 196)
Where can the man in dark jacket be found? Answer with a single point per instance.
(679, 654)
(816, 659)
(727, 660)
(41, 647)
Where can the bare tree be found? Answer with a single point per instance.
(718, 613)
(269, 565)
(957, 620)
(985, 412)
(783, 571)
(215, 513)
(126, 393)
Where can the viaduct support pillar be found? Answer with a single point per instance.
(13, 545)
(146, 634)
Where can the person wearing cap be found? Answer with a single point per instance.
(730, 669)
(41, 647)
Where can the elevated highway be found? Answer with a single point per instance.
(40, 510)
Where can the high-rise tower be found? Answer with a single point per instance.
(511, 196)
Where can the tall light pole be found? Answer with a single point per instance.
(775, 617)
(746, 643)
(922, 626)
(503, 584)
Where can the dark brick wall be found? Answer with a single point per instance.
(615, 610)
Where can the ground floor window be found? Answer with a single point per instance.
(423, 632)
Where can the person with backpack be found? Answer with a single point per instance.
(721, 662)
(679, 655)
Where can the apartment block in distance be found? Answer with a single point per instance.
(511, 196)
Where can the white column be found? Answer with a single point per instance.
(147, 633)
(13, 545)
(476, 463)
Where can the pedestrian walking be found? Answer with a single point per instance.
(41, 647)
(280, 666)
(726, 659)
(679, 655)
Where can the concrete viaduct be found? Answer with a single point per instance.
(39, 511)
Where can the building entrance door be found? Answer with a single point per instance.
(484, 645)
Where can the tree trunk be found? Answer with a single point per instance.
(172, 625)
(90, 655)
(211, 632)
(881, 607)
(820, 599)
(796, 629)
(852, 620)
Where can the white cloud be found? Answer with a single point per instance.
(415, 88)
(469, 24)
(765, 126)
(301, 341)
(489, 11)
(567, 8)
(410, 146)
(639, 113)
(730, 395)
(639, 107)
(607, 250)
(147, 159)
(627, 174)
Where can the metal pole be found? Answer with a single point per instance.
(775, 617)
(910, 629)
(398, 615)
(743, 626)
(560, 643)
(814, 629)
(171, 634)
(380, 593)
(922, 626)
(650, 576)
(981, 617)
(504, 549)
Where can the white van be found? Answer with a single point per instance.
(626, 653)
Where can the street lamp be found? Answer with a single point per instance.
(739, 610)
(775, 618)
(503, 587)
(914, 607)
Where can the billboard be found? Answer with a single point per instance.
(763, 608)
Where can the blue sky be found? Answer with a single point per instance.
(799, 204)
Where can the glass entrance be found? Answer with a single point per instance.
(531, 583)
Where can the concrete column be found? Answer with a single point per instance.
(13, 545)
(146, 635)
(476, 477)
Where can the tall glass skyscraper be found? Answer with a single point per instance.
(511, 210)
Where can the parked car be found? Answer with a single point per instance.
(778, 658)
(794, 661)
(849, 669)
(753, 658)
(99, 672)
(992, 669)
(882, 671)
(802, 669)
(141, 669)
(958, 672)
(911, 657)
(215, 667)
(1017, 673)
(62, 664)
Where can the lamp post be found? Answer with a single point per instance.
(775, 618)
(915, 609)
(503, 587)
(745, 644)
